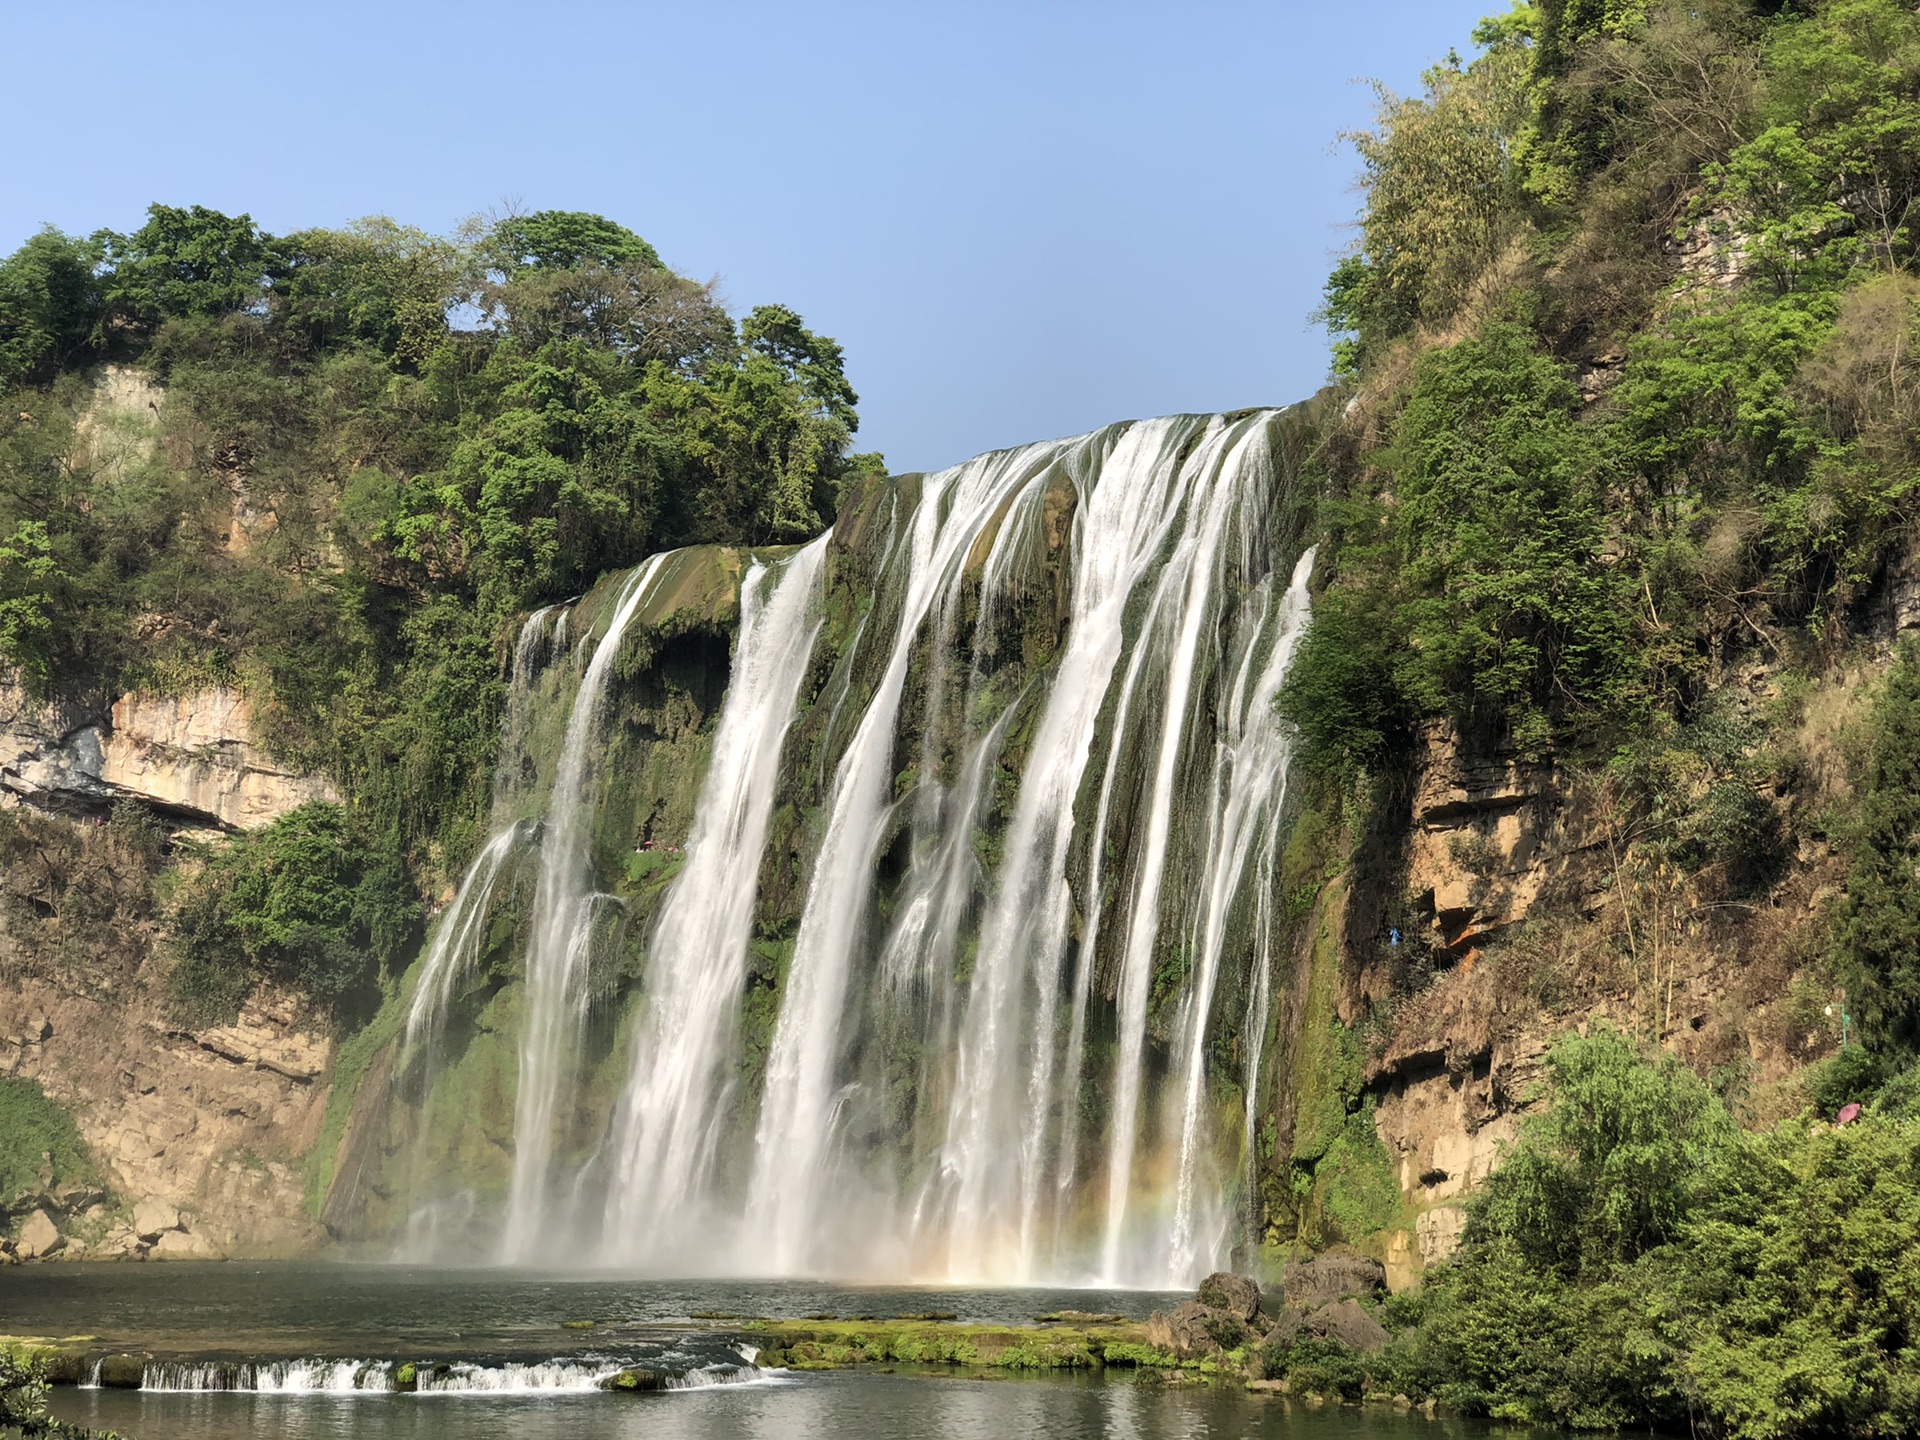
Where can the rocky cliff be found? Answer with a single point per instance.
(200, 1137)
(1502, 902)
(190, 758)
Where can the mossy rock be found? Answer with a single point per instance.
(122, 1372)
(406, 1379)
(635, 1380)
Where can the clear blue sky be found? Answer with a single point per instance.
(1022, 220)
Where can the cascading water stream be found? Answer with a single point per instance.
(1190, 582)
(1253, 753)
(664, 1146)
(562, 937)
(791, 1144)
(1004, 1078)
(456, 940)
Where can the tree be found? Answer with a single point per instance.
(306, 901)
(1613, 1168)
(566, 239)
(375, 282)
(1441, 193)
(1510, 612)
(194, 261)
(1878, 926)
(27, 575)
(49, 306)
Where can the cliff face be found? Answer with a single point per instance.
(189, 758)
(1507, 902)
(202, 1137)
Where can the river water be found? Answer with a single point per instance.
(316, 1345)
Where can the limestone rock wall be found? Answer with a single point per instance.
(190, 757)
(203, 1135)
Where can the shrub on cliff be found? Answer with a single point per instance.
(1481, 591)
(1878, 927)
(1639, 1261)
(307, 902)
(39, 1144)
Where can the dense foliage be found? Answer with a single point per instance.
(1879, 925)
(1633, 295)
(23, 1401)
(302, 902)
(1631, 325)
(367, 449)
(1639, 1261)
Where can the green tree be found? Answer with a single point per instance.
(1803, 1281)
(1615, 1165)
(1878, 925)
(376, 282)
(306, 902)
(1509, 610)
(28, 575)
(565, 239)
(191, 261)
(49, 306)
(1441, 198)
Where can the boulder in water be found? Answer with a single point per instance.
(1191, 1330)
(635, 1380)
(182, 1245)
(1235, 1294)
(153, 1218)
(122, 1372)
(63, 1367)
(39, 1236)
(1312, 1283)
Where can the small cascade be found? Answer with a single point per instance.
(276, 1377)
(544, 1377)
(679, 1369)
(563, 932)
(456, 940)
(658, 1201)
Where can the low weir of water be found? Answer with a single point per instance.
(956, 966)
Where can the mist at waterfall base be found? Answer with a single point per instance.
(1026, 708)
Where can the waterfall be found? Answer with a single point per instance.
(1249, 791)
(1185, 601)
(792, 1140)
(1002, 1097)
(978, 880)
(664, 1148)
(456, 940)
(562, 936)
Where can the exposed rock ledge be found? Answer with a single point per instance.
(191, 757)
(204, 1134)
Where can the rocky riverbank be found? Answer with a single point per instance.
(1223, 1334)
